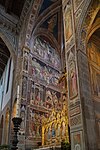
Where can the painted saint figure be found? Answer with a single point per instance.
(24, 87)
(73, 89)
(72, 75)
(68, 21)
(53, 130)
(25, 63)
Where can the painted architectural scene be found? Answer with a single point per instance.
(50, 74)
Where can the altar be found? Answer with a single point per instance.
(55, 128)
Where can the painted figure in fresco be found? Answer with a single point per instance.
(48, 101)
(37, 96)
(63, 129)
(72, 76)
(32, 93)
(24, 87)
(73, 83)
(39, 48)
(53, 130)
(32, 128)
(36, 47)
(36, 68)
(77, 141)
(68, 21)
(45, 55)
(77, 147)
(25, 63)
(52, 22)
(49, 53)
(37, 131)
(49, 133)
(22, 128)
(57, 61)
(54, 97)
(45, 73)
(58, 130)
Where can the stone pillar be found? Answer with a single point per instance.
(24, 97)
(80, 105)
(86, 102)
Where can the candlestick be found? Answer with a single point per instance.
(16, 121)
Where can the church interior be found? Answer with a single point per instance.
(50, 74)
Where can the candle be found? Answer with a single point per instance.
(17, 103)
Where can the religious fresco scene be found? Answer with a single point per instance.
(50, 75)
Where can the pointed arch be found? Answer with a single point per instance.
(87, 17)
(48, 35)
(9, 45)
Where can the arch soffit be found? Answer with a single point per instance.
(93, 29)
(9, 46)
(86, 21)
(47, 13)
(94, 26)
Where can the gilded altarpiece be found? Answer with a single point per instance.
(55, 128)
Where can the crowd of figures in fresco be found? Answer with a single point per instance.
(45, 97)
(43, 66)
(44, 72)
(46, 52)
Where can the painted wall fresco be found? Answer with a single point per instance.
(95, 80)
(44, 72)
(35, 129)
(68, 20)
(72, 77)
(77, 139)
(94, 53)
(51, 24)
(42, 68)
(22, 114)
(46, 52)
(45, 97)
(41, 91)
(94, 61)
